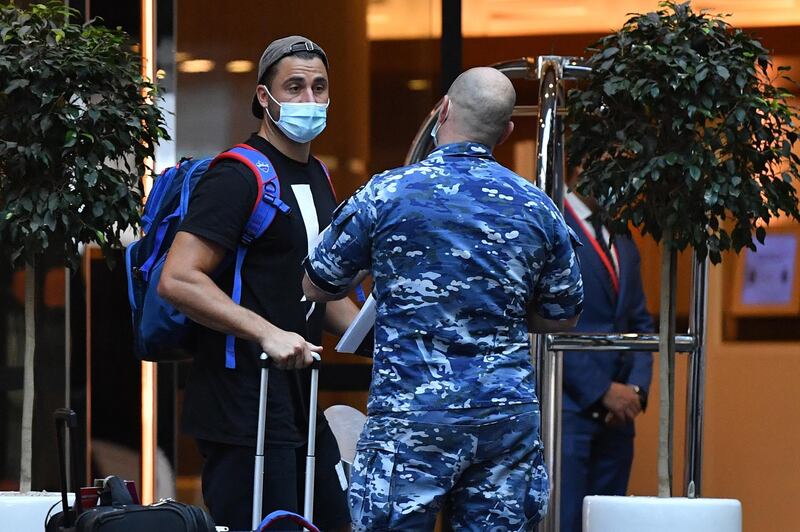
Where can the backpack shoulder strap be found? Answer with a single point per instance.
(265, 207)
(359, 290)
(268, 201)
(327, 174)
(251, 158)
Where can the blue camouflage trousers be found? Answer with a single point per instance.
(486, 467)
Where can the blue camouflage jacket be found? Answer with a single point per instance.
(459, 248)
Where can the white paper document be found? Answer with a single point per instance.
(359, 328)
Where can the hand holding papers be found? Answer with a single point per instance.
(359, 329)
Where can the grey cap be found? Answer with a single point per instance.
(277, 50)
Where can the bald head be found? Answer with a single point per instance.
(481, 100)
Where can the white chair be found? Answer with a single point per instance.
(28, 511)
(346, 423)
(657, 514)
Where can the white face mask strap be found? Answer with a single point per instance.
(266, 107)
(271, 96)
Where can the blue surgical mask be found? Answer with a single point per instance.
(435, 129)
(301, 122)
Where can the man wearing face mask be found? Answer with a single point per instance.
(221, 403)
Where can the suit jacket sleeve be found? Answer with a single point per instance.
(584, 380)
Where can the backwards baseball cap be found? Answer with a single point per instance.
(277, 50)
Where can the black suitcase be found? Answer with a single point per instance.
(164, 516)
(116, 512)
(64, 521)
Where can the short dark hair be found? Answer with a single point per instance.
(269, 74)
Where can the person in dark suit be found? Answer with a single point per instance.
(605, 391)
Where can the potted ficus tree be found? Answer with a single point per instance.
(684, 134)
(77, 125)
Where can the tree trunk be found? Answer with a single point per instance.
(666, 365)
(26, 450)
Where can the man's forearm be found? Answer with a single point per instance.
(339, 314)
(197, 296)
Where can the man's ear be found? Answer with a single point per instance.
(263, 97)
(506, 133)
(444, 110)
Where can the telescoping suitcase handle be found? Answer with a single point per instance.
(66, 418)
(258, 474)
(281, 515)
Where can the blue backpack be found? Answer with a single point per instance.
(161, 333)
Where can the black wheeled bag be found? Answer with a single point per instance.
(116, 511)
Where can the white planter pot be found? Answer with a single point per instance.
(28, 511)
(655, 514)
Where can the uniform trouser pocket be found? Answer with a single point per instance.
(537, 496)
(371, 485)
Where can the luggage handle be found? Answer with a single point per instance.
(282, 515)
(66, 418)
(115, 492)
(264, 363)
(308, 503)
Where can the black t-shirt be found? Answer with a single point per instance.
(221, 404)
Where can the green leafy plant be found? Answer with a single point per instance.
(684, 134)
(77, 125)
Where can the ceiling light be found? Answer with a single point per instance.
(240, 66)
(196, 66)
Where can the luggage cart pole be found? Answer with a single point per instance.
(695, 386)
(549, 363)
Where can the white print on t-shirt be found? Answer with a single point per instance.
(308, 212)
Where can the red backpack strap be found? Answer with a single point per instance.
(235, 154)
(327, 174)
(266, 206)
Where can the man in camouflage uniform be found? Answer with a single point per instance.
(467, 258)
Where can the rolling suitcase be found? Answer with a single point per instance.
(123, 516)
(64, 521)
(117, 512)
(258, 474)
